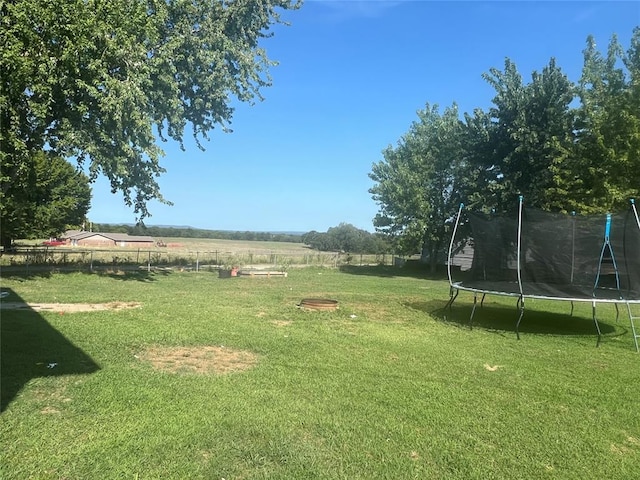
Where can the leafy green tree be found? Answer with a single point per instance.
(417, 183)
(477, 178)
(533, 143)
(52, 197)
(608, 126)
(97, 80)
(309, 237)
(346, 238)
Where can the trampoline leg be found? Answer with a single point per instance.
(634, 332)
(571, 313)
(452, 297)
(617, 312)
(473, 310)
(595, 320)
(520, 305)
(482, 300)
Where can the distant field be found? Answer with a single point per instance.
(186, 252)
(178, 244)
(209, 244)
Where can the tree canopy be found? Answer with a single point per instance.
(608, 125)
(564, 146)
(158, 232)
(346, 238)
(52, 197)
(532, 137)
(416, 184)
(99, 80)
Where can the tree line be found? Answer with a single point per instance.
(564, 146)
(347, 238)
(159, 232)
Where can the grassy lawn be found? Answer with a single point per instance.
(389, 386)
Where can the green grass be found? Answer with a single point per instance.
(390, 386)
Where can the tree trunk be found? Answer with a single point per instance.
(433, 259)
(429, 254)
(5, 242)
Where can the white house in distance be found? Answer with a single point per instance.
(76, 238)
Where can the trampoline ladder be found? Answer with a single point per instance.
(634, 331)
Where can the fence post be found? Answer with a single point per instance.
(197, 261)
(91, 261)
(149, 261)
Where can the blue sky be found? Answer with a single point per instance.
(351, 76)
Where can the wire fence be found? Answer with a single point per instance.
(64, 258)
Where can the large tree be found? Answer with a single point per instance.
(417, 184)
(609, 126)
(477, 172)
(346, 238)
(99, 80)
(532, 136)
(531, 142)
(53, 196)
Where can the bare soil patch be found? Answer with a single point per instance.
(69, 307)
(281, 323)
(217, 360)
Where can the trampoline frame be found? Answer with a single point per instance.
(456, 287)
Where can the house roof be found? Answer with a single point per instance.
(116, 237)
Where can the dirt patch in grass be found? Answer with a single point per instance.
(69, 307)
(627, 447)
(281, 323)
(50, 411)
(199, 360)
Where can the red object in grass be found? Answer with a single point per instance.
(54, 243)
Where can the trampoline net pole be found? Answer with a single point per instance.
(453, 236)
(519, 267)
(635, 212)
(519, 252)
(573, 250)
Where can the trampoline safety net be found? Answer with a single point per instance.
(593, 258)
(542, 254)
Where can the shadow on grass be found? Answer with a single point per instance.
(386, 271)
(32, 348)
(124, 273)
(502, 319)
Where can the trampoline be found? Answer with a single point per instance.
(543, 255)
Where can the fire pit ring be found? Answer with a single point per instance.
(319, 304)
